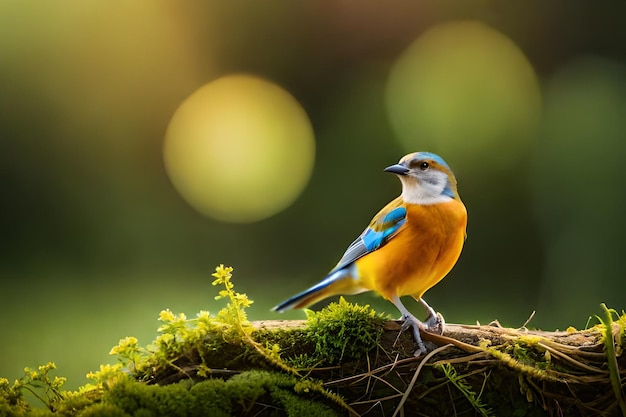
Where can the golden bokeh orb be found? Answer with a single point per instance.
(239, 149)
(466, 90)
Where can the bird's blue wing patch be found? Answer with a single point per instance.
(374, 236)
(391, 219)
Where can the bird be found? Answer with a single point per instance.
(408, 247)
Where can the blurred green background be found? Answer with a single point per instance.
(102, 227)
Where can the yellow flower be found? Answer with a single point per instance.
(166, 315)
(107, 375)
(204, 315)
(243, 300)
(164, 339)
(47, 367)
(59, 380)
(222, 294)
(222, 274)
(125, 344)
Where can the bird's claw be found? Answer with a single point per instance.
(410, 322)
(435, 323)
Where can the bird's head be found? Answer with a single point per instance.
(426, 178)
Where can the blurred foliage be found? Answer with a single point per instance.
(95, 238)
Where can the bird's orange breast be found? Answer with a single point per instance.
(422, 252)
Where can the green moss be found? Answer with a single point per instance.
(103, 410)
(340, 333)
(135, 398)
(343, 331)
(210, 399)
(297, 406)
(247, 394)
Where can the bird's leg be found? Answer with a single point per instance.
(434, 322)
(410, 321)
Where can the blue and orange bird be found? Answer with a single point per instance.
(409, 246)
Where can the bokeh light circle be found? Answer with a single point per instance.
(464, 89)
(239, 149)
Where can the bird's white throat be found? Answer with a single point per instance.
(416, 193)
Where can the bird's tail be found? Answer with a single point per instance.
(339, 282)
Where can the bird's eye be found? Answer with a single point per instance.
(424, 166)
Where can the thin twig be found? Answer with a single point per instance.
(572, 360)
(528, 320)
(415, 375)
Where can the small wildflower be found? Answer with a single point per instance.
(47, 367)
(59, 381)
(108, 375)
(222, 274)
(222, 294)
(243, 300)
(166, 315)
(125, 346)
(30, 373)
(165, 338)
(203, 315)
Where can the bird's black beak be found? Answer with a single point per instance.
(397, 169)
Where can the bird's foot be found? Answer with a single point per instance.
(435, 323)
(411, 322)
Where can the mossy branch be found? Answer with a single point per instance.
(343, 360)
